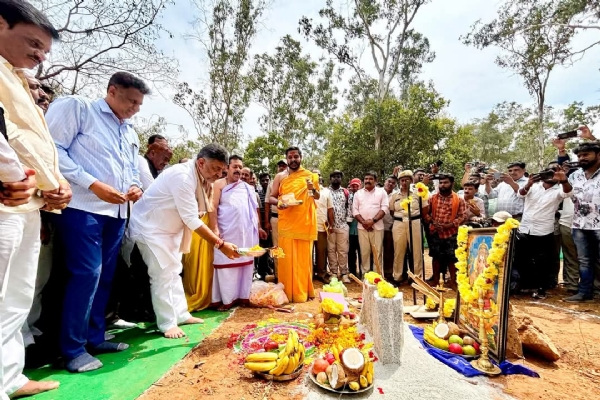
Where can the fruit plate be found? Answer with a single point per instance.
(246, 251)
(343, 390)
(281, 378)
(466, 357)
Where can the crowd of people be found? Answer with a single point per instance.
(95, 234)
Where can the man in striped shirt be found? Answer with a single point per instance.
(98, 154)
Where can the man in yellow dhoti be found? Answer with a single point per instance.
(294, 192)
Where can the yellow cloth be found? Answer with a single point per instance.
(198, 272)
(297, 231)
(295, 269)
(28, 134)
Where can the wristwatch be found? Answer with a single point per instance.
(375, 220)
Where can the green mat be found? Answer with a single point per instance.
(128, 374)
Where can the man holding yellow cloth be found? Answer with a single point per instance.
(296, 189)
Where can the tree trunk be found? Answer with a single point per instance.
(541, 141)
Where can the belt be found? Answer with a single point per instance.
(517, 215)
(273, 215)
(414, 217)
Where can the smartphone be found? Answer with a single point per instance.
(546, 174)
(497, 175)
(567, 135)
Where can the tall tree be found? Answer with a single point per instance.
(101, 37)
(270, 147)
(226, 30)
(533, 53)
(386, 27)
(297, 93)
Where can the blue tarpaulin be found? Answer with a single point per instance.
(460, 364)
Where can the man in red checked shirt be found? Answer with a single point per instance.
(447, 211)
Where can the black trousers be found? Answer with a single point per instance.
(534, 260)
(354, 256)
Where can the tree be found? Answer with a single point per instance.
(226, 31)
(532, 53)
(270, 147)
(399, 50)
(296, 94)
(412, 132)
(101, 37)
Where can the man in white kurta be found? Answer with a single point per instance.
(237, 222)
(161, 225)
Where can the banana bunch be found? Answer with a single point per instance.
(430, 337)
(368, 371)
(283, 364)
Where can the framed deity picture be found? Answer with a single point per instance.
(479, 244)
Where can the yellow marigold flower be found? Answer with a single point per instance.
(332, 307)
(371, 276)
(386, 290)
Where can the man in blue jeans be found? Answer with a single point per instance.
(586, 217)
(98, 154)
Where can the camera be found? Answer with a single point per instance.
(544, 175)
(572, 165)
(438, 176)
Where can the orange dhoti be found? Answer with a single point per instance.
(297, 230)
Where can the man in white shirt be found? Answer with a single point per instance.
(369, 206)
(475, 209)
(324, 207)
(161, 225)
(26, 37)
(506, 192)
(542, 197)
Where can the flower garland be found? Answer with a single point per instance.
(386, 290)
(486, 278)
(371, 276)
(422, 192)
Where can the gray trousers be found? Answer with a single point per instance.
(570, 274)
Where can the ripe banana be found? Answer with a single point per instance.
(289, 347)
(280, 367)
(261, 357)
(260, 366)
(335, 352)
(291, 365)
(302, 354)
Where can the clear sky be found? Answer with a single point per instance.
(464, 75)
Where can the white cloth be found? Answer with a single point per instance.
(11, 170)
(368, 203)
(540, 206)
(145, 175)
(323, 204)
(586, 199)
(19, 250)
(159, 217)
(166, 290)
(230, 284)
(566, 214)
(508, 199)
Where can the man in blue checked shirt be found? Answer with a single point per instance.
(98, 154)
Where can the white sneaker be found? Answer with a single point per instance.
(122, 324)
(345, 279)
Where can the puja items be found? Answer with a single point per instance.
(276, 364)
(347, 370)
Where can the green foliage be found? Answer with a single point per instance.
(271, 146)
(411, 132)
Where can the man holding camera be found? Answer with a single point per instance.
(586, 216)
(506, 191)
(542, 196)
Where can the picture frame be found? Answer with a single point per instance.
(480, 240)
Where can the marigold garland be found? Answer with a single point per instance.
(386, 290)
(404, 204)
(332, 307)
(422, 190)
(486, 278)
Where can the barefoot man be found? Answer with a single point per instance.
(26, 37)
(297, 226)
(161, 225)
(236, 221)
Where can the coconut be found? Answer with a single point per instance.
(336, 375)
(454, 329)
(353, 359)
(322, 378)
(442, 331)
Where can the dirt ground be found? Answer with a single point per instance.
(213, 371)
